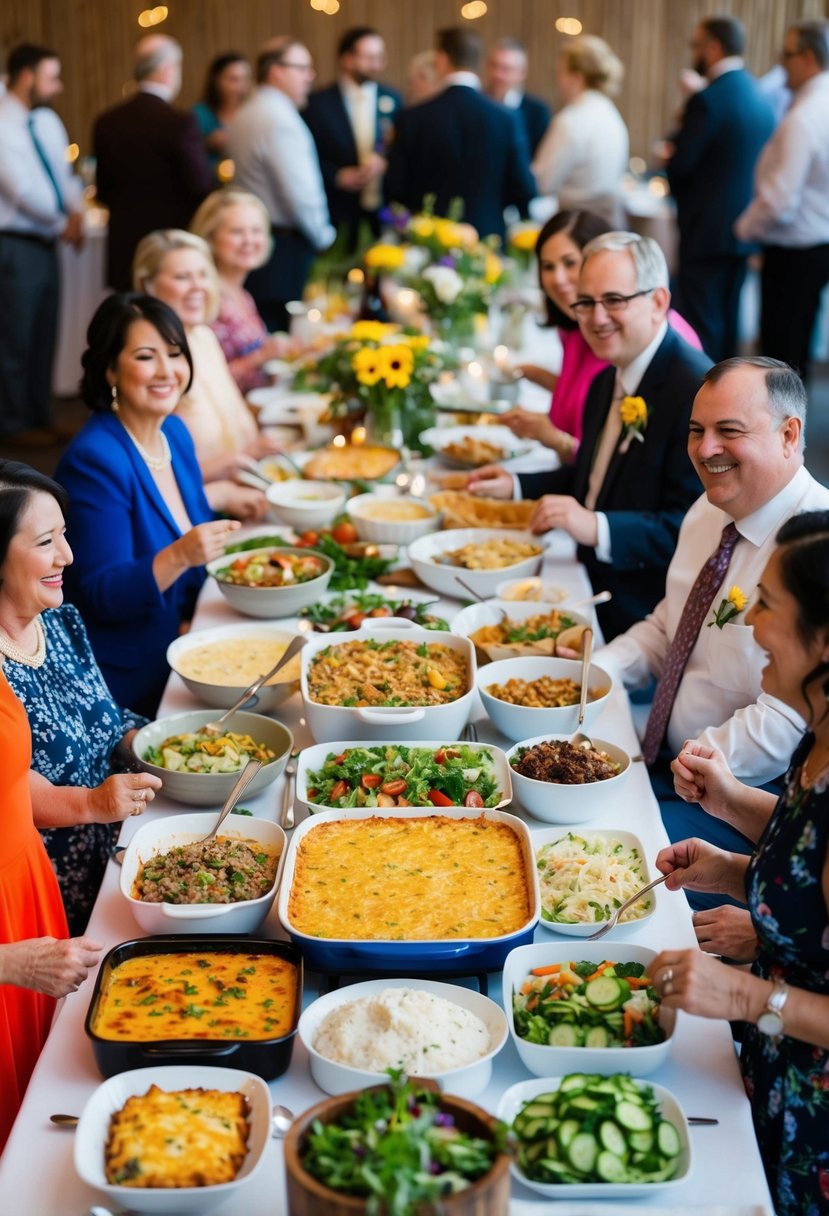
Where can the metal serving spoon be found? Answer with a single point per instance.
(611, 924)
(293, 647)
(281, 1120)
(579, 739)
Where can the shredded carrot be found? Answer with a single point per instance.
(532, 1002)
(551, 970)
(628, 1024)
(599, 971)
(526, 987)
(637, 981)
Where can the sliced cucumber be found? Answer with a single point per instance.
(613, 1138)
(576, 1080)
(596, 1036)
(632, 1117)
(641, 1142)
(564, 1035)
(567, 1130)
(530, 1129)
(611, 1168)
(582, 1152)
(667, 1137)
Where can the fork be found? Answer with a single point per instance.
(611, 924)
(469, 734)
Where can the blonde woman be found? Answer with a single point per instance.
(236, 226)
(176, 267)
(584, 154)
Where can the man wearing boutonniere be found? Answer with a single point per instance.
(625, 497)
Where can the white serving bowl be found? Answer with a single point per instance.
(160, 835)
(211, 789)
(548, 593)
(441, 437)
(556, 802)
(391, 531)
(270, 602)
(466, 1081)
(519, 722)
(93, 1131)
(579, 929)
(223, 695)
(329, 723)
(312, 758)
(424, 553)
(515, 1097)
(304, 505)
(546, 1061)
(475, 616)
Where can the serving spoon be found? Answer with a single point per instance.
(293, 647)
(611, 924)
(281, 1120)
(579, 739)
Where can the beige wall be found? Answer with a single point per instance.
(95, 37)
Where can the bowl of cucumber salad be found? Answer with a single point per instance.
(589, 1136)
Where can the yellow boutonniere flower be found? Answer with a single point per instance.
(396, 365)
(731, 606)
(634, 413)
(385, 257)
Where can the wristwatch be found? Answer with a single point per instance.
(770, 1021)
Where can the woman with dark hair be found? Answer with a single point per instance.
(558, 252)
(785, 1050)
(80, 734)
(140, 523)
(226, 88)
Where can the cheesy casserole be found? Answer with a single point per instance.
(188, 1137)
(424, 879)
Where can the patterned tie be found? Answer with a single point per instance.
(699, 600)
(44, 160)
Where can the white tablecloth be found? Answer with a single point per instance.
(37, 1177)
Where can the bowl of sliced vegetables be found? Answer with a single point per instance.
(201, 769)
(431, 774)
(272, 582)
(585, 876)
(585, 1136)
(588, 1006)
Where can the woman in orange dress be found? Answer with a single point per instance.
(38, 960)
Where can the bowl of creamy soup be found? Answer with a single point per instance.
(218, 664)
(390, 518)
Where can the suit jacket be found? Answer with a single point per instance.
(647, 488)
(152, 173)
(537, 117)
(461, 144)
(328, 118)
(711, 174)
(118, 522)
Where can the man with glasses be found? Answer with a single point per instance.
(789, 213)
(276, 159)
(624, 498)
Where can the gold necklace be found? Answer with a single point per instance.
(156, 463)
(12, 651)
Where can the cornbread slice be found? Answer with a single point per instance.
(187, 1137)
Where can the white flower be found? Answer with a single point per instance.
(415, 258)
(447, 283)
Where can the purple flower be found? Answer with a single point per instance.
(447, 260)
(435, 1168)
(444, 1120)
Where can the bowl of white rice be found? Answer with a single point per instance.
(423, 1027)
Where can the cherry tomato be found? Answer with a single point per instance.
(341, 758)
(473, 798)
(440, 756)
(339, 790)
(394, 787)
(308, 540)
(370, 781)
(355, 619)
(439, 799)
(311, 795)
(344, 533)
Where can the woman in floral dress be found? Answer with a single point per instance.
(785, 998)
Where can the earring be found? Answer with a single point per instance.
(116, 405)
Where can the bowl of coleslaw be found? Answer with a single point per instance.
(585, 876)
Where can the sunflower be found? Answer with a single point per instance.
(368, 365)
(396, 366)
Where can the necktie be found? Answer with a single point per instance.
(44, 160)
(696, 608)
(606, 446)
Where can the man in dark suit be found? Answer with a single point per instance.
(504, 77)
(352, 122)
(711, 173)
(626, 495)
(461, 145)
(152, 167)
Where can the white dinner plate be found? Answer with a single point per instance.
(439, 438)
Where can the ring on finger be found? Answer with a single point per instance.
(667, 976)
(139, 796)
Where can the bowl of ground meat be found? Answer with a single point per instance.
(560, 782)
(225, 885)
(524, 697)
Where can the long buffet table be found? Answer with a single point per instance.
(37, 1176)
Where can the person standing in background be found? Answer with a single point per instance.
(152, 166)
(41, 202)
(226, 88)
(276, 159)
(724, 127)
(789, 213)
(352, 122)
(504, 77)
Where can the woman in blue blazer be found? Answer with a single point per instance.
(138, 522)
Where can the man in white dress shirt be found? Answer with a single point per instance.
(789, 213)
(276, 159)
(40, 203)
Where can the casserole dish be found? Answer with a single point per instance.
(109, 1098)
(394, 953)
(159, 835)
(267, 1057)
(311, 759)
(329, 723)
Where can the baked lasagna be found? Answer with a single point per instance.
(187, 1137)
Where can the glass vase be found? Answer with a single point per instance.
(383, 424)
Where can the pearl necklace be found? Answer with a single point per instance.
(156, 463)
(12, 651)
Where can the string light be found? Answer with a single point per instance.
(473, 10)
(568, 25)
(225, 170)
(356, 275)
(153, 16)
(72, 153)
(329, 7)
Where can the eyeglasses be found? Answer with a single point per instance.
(610, 303)
(300, 67)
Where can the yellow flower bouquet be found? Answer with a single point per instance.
(731, 606)
(634, 415)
